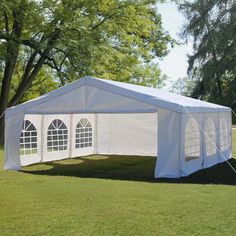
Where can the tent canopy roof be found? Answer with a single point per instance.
(152, 96)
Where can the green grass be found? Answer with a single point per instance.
(114, 195)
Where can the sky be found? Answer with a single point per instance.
(175, 64)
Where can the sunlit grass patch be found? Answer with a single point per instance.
(115, 195)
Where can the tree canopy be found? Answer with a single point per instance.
(212, 27)
(54, 42)
(70, 39)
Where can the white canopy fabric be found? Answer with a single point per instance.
(95, 116)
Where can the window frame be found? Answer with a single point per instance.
(192, 140)
(83, 134)
(210, 138)
(57, 136)
(224, 134)
(28, 139)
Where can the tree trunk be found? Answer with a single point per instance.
(31, 73)
(12, 51)
(219, 87)
(26, 82)
(4, 96)
(11, 58)
(28, 77)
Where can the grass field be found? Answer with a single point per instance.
(112, 195)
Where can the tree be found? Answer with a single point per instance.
(42, 84)
(183, 86)
(68, 39)
(212, 26)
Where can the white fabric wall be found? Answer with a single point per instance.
(84, 99)
(172, 161)
(225, 134)
(117, 133)
(75, 118)
(211, 152)
(36, 120)
(42, 122)
(127, 134)
(187, 167)
(211, 140)
(169, 136)
(120, 134)
(13, 126)
(91, 100)
(55, 155)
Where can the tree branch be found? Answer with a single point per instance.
(6, 22)
(26, 82)
(104, 20)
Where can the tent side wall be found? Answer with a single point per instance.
(191, 142)
(70, 103)
(118, 134)
(11, 146)
(225, 130)
(169, 137)
(206, 140)
(85, 99)
(127, 134)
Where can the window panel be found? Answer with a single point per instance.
(224, 135)
(210, 138)
(57, 136)
(28, 139)
(83, 131)
(192, 140)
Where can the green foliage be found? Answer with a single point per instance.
(69, 39)
(212, 26)
(183, 86)
(44, 83)
(148, 75)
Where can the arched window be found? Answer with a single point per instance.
(192, 140)
(210, 138)
(224, 135)
(83, 134)
(57, 137)
(28, 139)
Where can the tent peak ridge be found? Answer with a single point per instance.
(152, 96)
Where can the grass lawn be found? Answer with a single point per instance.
(112, 195)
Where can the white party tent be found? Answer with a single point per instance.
(95, 116)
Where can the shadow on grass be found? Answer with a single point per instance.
(131, 168)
